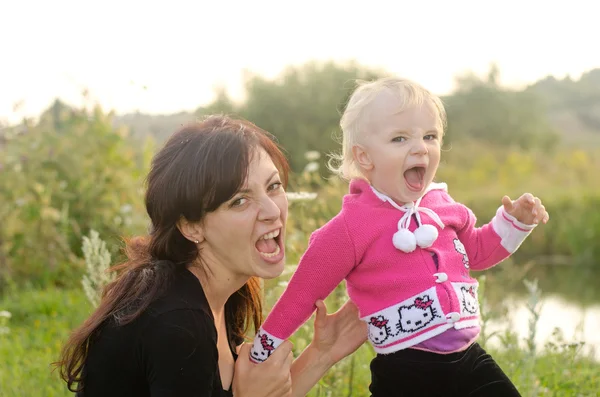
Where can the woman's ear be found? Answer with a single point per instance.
(191, 230)
(361, 156)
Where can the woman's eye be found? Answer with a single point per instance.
(275, 186)
(238, 202)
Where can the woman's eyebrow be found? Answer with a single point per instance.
(266, 183)
(271, 176)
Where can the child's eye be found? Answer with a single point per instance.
(430, 137)
(399, 139)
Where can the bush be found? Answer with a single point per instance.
(61, 177)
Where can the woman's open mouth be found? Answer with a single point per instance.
(269, 246)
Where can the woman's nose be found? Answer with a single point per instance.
(269, 210)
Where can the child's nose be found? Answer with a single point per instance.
(419, 147)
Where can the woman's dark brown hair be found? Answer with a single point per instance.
(200, 167)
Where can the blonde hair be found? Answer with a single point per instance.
(354, 118)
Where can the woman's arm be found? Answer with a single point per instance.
(336, 336)
(310, 366)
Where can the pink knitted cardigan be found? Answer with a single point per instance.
(403, 296)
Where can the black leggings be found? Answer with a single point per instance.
(417, 373)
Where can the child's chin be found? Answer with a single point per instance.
(410, 196)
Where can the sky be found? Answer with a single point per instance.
(165, 57)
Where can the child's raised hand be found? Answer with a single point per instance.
(527, 209)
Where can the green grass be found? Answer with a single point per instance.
(42, 319)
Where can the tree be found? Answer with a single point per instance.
(574, 105)
(302, 107)
(221, 104)
(62, 176)
(482, 110)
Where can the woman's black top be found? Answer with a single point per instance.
(170, 350)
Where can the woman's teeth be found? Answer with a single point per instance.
(272, 254)
(271, 235)
(267, 244)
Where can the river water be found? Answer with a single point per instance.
(569, 301)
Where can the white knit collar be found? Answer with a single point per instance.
(432, 186)
(424, 235)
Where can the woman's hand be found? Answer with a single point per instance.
(339, 334)
(336, 336)
(271, 378)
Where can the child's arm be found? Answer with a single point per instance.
(490, 244)
(329, 258)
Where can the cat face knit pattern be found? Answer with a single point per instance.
(404, 297)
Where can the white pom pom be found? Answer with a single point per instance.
(426, 235)
(404, 240)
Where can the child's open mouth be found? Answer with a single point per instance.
(415, 178)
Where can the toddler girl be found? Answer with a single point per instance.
(405, 249)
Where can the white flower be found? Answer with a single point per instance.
(5, 314)
(311, 167)
(301, 196)
(312, 155)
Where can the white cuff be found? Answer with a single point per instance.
(264, 345)
(512, 232)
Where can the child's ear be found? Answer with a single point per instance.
(362, 157)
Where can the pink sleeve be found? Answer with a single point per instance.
(495, 241)
(329, 258)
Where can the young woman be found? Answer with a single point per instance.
(173, 322)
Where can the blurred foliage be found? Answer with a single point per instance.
(61, 176)
(302, 107)
(573, 106)
(78, 169)
(482, 110)
(303, 104)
